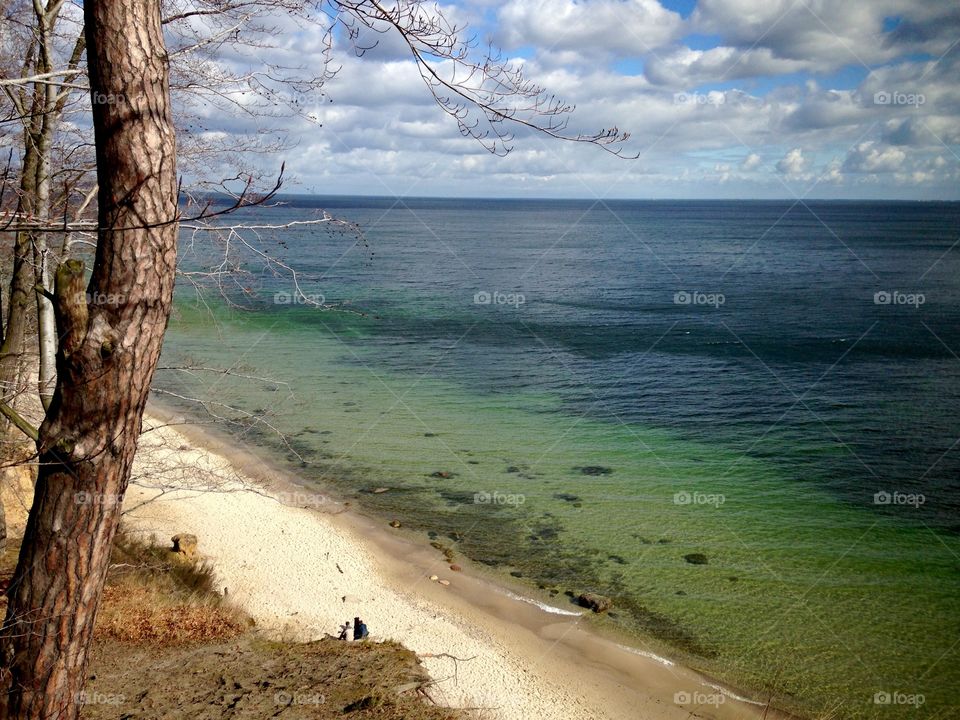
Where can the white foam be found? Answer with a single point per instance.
(644, 653)
(731, 694)
(543, 606)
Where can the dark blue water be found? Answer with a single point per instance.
(799, 365)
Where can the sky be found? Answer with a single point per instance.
(722, 99)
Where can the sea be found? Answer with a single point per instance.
(738, 420)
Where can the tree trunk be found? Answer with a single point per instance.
(21, 281)
(46, 23)
(46, 323)
(18, 306)
(106, 360)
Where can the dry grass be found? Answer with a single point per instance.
(134, 613)
(156, 597)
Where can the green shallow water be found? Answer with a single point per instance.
(819, 602)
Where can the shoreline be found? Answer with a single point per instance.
(490, 647)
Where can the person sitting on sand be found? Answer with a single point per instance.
(343, 631)
(364, 633)
(356, 628)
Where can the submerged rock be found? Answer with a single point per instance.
(595, 602)
(696, 558)
(595, 470)
(567, 497)
(445, 474)
(394, 523)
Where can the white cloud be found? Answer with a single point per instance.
(833, 174)
(793, 164)
(750, 162)
(867, 157)
(829, 34)
(625, 27)
(683, 67)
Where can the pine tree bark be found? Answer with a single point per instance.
(105, 364)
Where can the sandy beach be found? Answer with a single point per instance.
(301, 563)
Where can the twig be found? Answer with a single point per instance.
(17, 419)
